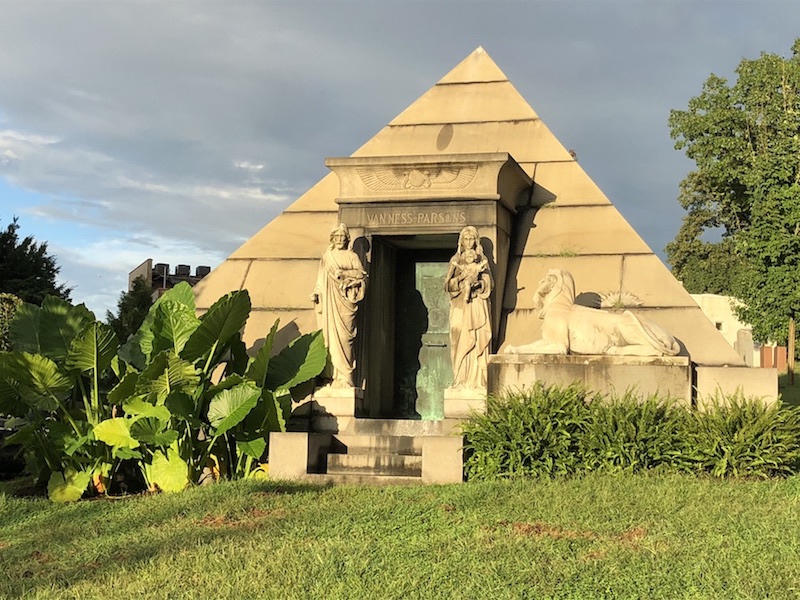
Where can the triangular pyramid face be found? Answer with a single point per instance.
(567, 223)
(478, 67)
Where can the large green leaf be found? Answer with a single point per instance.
(223, 320)
(137, 407)
(257, 371)
(253, 448)
(61, 323)
(168, 472)
(41, 383)
(93, 349)
(24, 330)
(300, 361)
(68, 486)
(49, 329)
(124, 389)
(153, 432)
(237, 356)
(116, 433)
(173, 323)
(228, 408)
(10, 401)
(139, 349)
(167, 373)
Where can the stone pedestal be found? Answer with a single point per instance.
(333, 408)
(665, 375)
(460, 403)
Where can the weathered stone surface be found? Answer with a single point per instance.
(443, 459)
(282, 283)
(527, 141)
(716, 382)
(647, 278)
(595, 274)
(598, 229)
(227, 277)
(665, 375)
(477, 67)
(464, 103)
(564, 183)
(295, 234)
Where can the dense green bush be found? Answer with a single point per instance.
(9, 303)
(738, 437)
(531, 433)
(549, 431)
(632, 434)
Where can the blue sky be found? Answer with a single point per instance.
(175, 131)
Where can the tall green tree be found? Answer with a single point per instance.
(132, 308)
(26, 269)
(745, 141)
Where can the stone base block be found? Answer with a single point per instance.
(333, 408)
(443, 459)
(289, 455)
(461, 403)
(340, 402)
(668, 376)
(752, 382)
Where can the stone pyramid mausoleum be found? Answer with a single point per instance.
(469, 151)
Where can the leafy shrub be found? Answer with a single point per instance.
(9, 303)
(738, 437)
(186, 399)
(533, 432)
(628, 433)
(549, 431)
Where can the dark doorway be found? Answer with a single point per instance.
(422, 338)
(408, 351)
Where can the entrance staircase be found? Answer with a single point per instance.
(377, 452)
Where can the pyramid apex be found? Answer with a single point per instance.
(478, 67)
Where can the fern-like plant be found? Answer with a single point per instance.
(734, 436)
(533, 432)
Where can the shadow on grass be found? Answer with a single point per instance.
(789, 393)
(48, 547)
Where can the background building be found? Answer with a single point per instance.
(158, 276)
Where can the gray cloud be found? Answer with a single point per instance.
(139, 119)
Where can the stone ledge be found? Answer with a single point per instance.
(665, 375)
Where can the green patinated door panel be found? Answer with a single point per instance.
(422, 339)
(435, 372)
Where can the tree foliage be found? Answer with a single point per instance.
(9, 303)
(132, 309)
(745, 141)
(26, 269)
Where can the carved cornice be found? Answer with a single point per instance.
(486, 176)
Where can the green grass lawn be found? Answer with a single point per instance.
(596, 537)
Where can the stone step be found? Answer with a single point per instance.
(400, 427)
(360, 479)
(376, 444)
(374, 464)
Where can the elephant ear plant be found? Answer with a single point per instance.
(187, 401)
(52, 384)
(194, 403)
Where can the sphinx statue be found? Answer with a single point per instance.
(569, 328)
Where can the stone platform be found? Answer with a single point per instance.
(665, 375)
